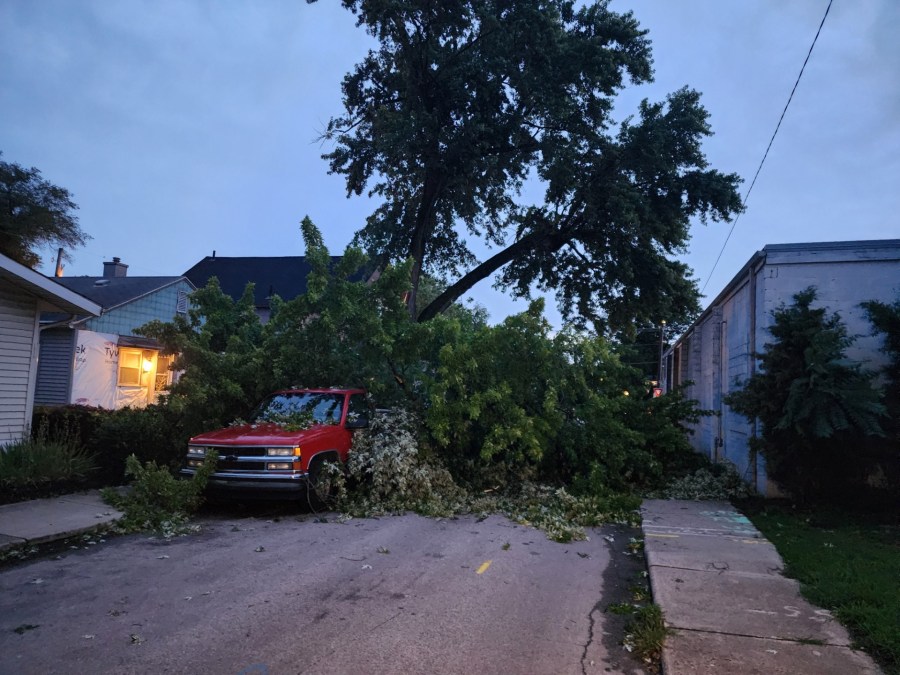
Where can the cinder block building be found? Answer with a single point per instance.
(715, 355)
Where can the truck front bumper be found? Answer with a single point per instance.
(256, 484)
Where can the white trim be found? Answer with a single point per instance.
(46, 289)
(32, 375)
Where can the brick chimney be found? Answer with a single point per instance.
(116, 268)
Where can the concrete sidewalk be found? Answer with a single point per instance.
(730, 610)
(45, 520)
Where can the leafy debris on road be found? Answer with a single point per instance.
(136, 639)
(259, 549)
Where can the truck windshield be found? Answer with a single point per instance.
(316, 408)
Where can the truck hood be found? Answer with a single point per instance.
(260, 434)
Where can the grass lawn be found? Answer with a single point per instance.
(846, 565)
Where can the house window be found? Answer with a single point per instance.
(181, 305)
(133, 364)
(163, 374)
(130, 363)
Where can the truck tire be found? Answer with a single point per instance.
(320, 495)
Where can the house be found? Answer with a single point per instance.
(716, 352)
(98, 360)
(24, 294)
(284, 276)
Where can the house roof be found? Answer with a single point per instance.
(801, 253)
(49, 290)
(112, 292)
(284, 276)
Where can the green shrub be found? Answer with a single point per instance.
(37, 466)
(153, 434)
(885, 453)
(156, 499)
(816, 409)
(76, 422)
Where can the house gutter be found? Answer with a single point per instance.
(46, 289)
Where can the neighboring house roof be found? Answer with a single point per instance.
(284, 276)
(112, 292)
(49, 290)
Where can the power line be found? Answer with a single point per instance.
(766, 154)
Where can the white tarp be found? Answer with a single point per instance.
(96, 369)
(96, 374)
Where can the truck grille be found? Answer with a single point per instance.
(243, 451)
(239, 465)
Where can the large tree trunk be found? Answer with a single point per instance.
(425, 217)
(485, 269)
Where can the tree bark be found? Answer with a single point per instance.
(424, 227)
(442, 302)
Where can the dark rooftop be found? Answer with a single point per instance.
(111, 292)
(284, 276)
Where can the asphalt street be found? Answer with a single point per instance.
(293, 594)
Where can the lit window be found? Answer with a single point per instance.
(130, 364)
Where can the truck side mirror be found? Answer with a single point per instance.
(358, 422)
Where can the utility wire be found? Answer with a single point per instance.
(766, 154)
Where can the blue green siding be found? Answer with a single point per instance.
(125, 319)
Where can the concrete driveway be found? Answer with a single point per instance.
(292, 594)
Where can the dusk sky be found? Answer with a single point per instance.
(183, 127)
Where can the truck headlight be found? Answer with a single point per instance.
(283, 452)
(197, 450)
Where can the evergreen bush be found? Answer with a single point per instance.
(817, 410)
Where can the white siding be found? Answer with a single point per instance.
(18, 315)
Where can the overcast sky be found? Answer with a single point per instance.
(183, 127)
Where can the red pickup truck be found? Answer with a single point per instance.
(282, 447)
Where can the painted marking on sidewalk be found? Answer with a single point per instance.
(484, 566)
(663, 536)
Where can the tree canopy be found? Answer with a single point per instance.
(34, 214)
(464, 101)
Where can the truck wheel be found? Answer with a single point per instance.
(320, 488)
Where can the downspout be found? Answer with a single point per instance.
(753, 272)
(723, 374)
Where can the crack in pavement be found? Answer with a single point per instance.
(591, 623)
